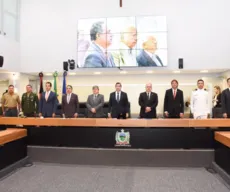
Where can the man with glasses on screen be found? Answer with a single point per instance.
(97, 55)
(147, 56)
(200, 102)
(126, 56)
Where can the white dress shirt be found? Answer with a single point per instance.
(174, 90)
(119, 95)
(68, 97)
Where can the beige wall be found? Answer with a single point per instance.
(134, 84)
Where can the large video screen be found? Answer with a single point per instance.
(122, 42)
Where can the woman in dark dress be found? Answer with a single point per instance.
(216, 110)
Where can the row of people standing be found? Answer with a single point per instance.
(30, 105)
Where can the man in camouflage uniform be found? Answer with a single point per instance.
(29, 102)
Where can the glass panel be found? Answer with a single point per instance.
(10, 26)
(10, 6)
(1, 16)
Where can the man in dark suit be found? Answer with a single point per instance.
(95, 104)
(97, 55)
(118, 103)
(225, 101)
(147, 56)
(148, 101)
(48, 102)
(174, 101)
(70, 103)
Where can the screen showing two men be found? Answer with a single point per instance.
(122, 42)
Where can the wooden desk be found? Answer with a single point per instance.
(91, 122)
(222, 150)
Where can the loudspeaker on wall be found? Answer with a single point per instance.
(65, 66)
(181, 63)
(1, 61)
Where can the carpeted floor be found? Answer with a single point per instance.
(68, 178)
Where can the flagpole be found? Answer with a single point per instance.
(64, 83)
(41, 84)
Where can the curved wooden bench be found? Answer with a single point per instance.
(13, 134)
(223, 137)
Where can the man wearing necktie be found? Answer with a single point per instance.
(126, 54)
(48, 102)
(70, 103)
(95, 104)
(118, 103)
(147, 56)
(174, 101)
(148, 102)
(97, 55)
(225, 101)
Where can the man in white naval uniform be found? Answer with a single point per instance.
(200, 102)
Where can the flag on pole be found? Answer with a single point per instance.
(64, 83)
(41, 84)
(55, 74)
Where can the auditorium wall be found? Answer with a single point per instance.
(197, 30)
(10, 50)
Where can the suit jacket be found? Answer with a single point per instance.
(121, 107)
(69, 109)
(97, 103)
(123, 57)
(96, 58)
(218, 103)
(144, 60)
(174, 106)
(145, 102)
(225, 101)
(47, 108)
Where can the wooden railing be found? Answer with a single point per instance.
(90, 122)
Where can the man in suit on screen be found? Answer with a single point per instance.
(126, 55)
(70, 103)
(225, 101)
(174, 101)
(95, 104)
(148, 102)
(97, 55)
(147, 56)
(118, 103)
(48, 102)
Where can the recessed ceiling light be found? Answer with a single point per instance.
(48, 74)
(149, 71)
(123, 72)
(204, 71)
(176, 71)
(72, 73)
(97, 73)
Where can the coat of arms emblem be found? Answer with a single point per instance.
(122, 138)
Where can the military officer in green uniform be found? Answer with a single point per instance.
(29, 103)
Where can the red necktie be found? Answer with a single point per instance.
(174, 94)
